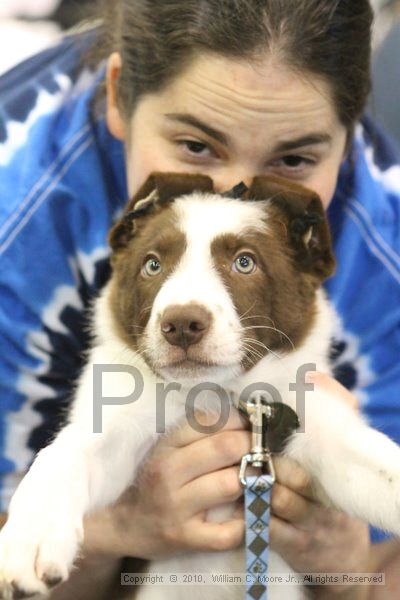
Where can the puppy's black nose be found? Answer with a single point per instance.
(185, 325)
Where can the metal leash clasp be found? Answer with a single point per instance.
(258, 410)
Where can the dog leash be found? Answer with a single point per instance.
(272, 423)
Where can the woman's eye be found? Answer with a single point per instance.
(195, 148)
(244, 264)
(152, 267)
(293, 162)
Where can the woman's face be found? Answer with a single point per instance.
(233, 120)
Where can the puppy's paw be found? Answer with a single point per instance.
(36, 556)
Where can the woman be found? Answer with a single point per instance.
(231, 88)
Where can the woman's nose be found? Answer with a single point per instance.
(225, 183)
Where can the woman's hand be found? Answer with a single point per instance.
(189, 473)
(164, 513)
(308, 536)
(311, 538)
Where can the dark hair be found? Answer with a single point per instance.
(157, 39)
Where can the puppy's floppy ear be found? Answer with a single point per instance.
(158, 189)
(300, 212)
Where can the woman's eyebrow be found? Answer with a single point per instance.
(187, 119)
(310, 139)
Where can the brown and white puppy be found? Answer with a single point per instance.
(210, 261)
(205, 288)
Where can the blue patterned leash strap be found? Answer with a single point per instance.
(257, 498)
(257, 515)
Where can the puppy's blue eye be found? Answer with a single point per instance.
(244, 264)
(152, 267)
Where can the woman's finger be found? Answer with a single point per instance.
(201, 426)
(211, 453)
(214, 536)
(290, 506)
(292, 476)
(287, 539)
(213, 489)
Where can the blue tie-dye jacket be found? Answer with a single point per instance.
(62, 182)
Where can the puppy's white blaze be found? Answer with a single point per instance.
(202, 219)
(207, 216)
